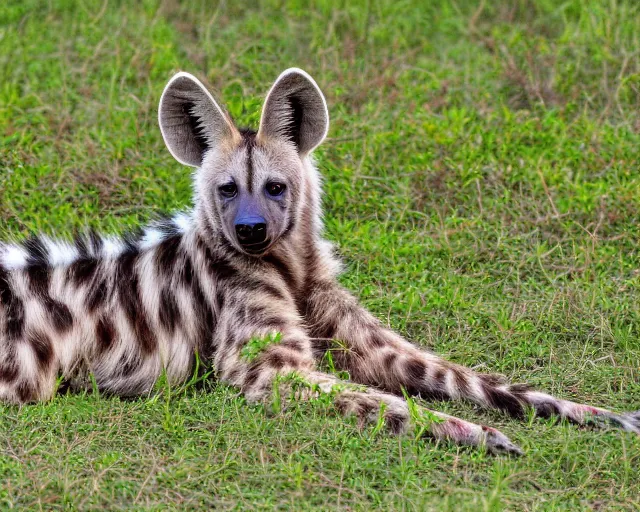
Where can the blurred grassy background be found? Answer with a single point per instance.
(482, 182)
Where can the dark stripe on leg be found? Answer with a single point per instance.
(503, 400)
(461, 381)
(8, 366)
(414, 371)
(26, 392)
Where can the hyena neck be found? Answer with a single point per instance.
(305, 231)
(304, 255)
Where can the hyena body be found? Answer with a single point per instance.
(249, 260)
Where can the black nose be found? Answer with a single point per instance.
(250, 234)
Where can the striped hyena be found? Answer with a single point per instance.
(220, 281)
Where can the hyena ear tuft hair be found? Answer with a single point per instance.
(190, 120)
(295, 110)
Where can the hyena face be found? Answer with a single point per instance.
(250, 185)
(252, 192)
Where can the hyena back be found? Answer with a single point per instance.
(248, 261)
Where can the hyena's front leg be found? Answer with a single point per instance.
(377, 356)
(254, 358)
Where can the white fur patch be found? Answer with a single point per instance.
(26, 360)
(60, 253)
(112, 247)
(151, 238)
(13, 257)
(327, 255)
(184, 221)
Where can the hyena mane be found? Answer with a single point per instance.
(244, 280)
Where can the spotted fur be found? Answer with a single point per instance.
(127, 309)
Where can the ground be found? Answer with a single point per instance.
(482, 183)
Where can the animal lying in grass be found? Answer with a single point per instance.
(245, 280)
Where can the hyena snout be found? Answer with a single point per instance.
(252, 233)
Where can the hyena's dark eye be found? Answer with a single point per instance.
(229, 190)
(275, 189)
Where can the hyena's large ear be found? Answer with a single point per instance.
(190, 120)
(295, 110)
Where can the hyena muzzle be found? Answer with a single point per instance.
(248, 261)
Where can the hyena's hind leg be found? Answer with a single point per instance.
(377, 356)
(286, 360)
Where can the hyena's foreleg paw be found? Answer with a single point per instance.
(399, 417)
(497, 443)
(634, 417)
(629, 422)
(467, 433)
(278, 375)
(546, 405)
(372, 407)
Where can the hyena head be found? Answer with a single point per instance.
(250, 187)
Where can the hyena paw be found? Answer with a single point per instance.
(498, 444)
(629, 421)
(464, 432)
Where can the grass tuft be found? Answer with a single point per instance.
(256, 345)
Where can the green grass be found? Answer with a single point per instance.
(482, 182)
